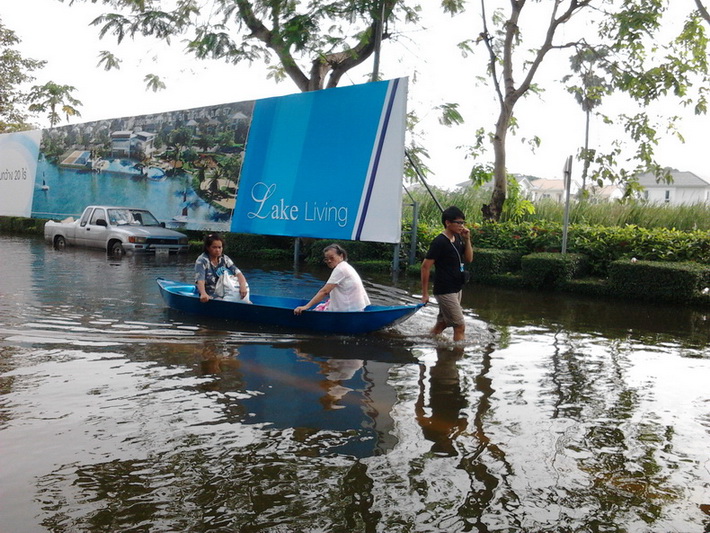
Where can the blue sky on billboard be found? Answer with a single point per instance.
(438, 74)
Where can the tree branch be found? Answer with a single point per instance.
(270, 39)
(703, 11)
(574, 6)
(486, 37)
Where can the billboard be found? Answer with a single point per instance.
(325, 164)
(18, 167)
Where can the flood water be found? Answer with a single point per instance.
(558, 414)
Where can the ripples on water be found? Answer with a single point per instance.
(117, 414)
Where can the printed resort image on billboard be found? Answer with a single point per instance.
(183, 166)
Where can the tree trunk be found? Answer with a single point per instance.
(585, 170)
(508, 95)
(494, 209)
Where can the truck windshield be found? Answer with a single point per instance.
(133, 217)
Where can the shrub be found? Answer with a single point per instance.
(488, 262)
(658, 281)
(549, 270)
(507, 280)
(243, 244)
(373, 266)
(22, 226)
(357, 251)
(275, 254)
(601, 245)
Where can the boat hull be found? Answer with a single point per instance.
(278, 311)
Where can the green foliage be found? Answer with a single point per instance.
(16, 72)
(600, 244)
(275, 254)
(357, 251)
(658, 281)
(549, 270)
(22, 226)
(525, 237)
(603, 245)
(489, 262)
(425, 234)
(598, 287)
(108, 60)
(154, 83)
(680, 217)
(381, 266)
(313, 43)
(53, 98)
(267, 246)
(450, 115)
(516, 205)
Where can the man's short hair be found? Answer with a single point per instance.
(452, 213)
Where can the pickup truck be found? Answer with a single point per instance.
(118, 230)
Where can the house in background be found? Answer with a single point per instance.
(143, 144)
(121, 143)
(686, 188)
(608, 193)
(545, 189)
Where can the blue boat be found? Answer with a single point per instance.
(278, 311)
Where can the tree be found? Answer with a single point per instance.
(179, 139)
(588, 93)
(314, 43)
(628, 28)
(52, 98)
(648, 72)
(15, 71)
(502, 51)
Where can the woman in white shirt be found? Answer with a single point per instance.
(344, 285)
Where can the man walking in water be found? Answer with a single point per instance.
(448, 253)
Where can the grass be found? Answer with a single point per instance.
(609, 214)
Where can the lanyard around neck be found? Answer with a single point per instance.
(456, 250)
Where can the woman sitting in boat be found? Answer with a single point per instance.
(211, 264)
(344, 285)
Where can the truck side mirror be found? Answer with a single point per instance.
(162, 224)
(101, 222)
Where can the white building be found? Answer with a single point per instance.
(545, 189)
(608, 193)
(143, 144)
(685, 188)
(121, 143)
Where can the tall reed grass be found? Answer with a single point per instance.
(609, 214)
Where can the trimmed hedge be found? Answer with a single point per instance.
(601, 245)
(659, 281)
(489, 262)
(358, 251)
(22, 226)
(550, 270)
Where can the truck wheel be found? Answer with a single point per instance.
(115, 249)
(60, 243)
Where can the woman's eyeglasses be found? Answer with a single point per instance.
(459, 222)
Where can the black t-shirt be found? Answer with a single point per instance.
(447, 257)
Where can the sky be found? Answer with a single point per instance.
(438, 74)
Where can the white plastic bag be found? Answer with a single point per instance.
(227, 288)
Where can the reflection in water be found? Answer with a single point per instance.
(443, 423)
(486, 477)
(117, 414)
(329, 404)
